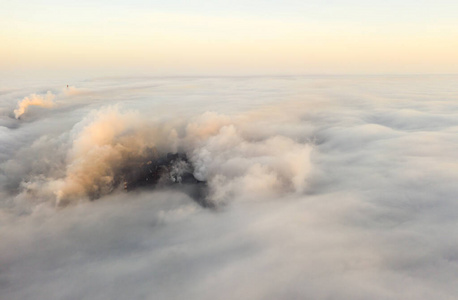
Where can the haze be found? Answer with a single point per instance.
(106, 38)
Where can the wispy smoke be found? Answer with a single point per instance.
(34, 100)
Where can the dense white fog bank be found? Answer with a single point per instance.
(314, 188)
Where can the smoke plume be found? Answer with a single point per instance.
(34, 100)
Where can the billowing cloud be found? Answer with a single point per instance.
(234, 165)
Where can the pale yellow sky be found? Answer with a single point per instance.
(131, 40)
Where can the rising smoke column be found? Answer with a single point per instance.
(34, 100)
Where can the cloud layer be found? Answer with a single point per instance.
(324, 188)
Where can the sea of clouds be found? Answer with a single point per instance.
(322, 187)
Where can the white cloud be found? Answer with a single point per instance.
(326, 188)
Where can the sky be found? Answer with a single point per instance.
(115, 38)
